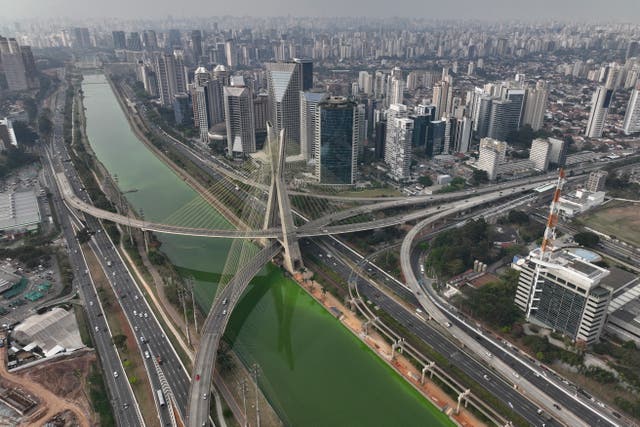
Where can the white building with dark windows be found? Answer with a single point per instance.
(563, 293)
(632, 115)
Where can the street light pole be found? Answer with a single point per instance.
(255, 375)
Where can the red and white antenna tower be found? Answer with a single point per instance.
(550, 231)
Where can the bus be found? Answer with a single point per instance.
(160, 397)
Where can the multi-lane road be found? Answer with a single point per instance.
(125, 408)
(164, 368)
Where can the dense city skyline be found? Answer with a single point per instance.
(492, 10)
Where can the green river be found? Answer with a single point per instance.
(313, 370)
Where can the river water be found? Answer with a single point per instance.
(313, 370)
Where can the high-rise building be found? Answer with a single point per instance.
(261, 111)
(502, 119)
(18, 65)
(535, 105)
(596, 181)
(196, 45)
(435, 137)
(81, 38)
(492, 154)
(230, 53)
(337, 134)
(181, 110)
(283, 85)
(134, 42)
(442, 98)
(181, 71)
(219, 79)
(150, 40)
(396, 94)
(306, 72)
(539, 154)
(564, 293)
(463, 135)
(241, 130)
(600, 103)
(165, 72)
(398, 141)
(632, 115)
(119, 40)
(558, 152)
(200, 114)
(309, 101)
(7, 134)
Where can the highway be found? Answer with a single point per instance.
(426, 331)
(169, 375)
(123, 402)
(529, 377)
(213, 329)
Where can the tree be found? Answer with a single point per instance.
(587, 238)
(45, 126)
(479, 177)
(425, 180)
(518, 217)
(120, 341)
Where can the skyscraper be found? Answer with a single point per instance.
(150, 40)
(337, 133)
(632, 115)
(558, 152)
(241, 131)
(492, 154)
(600, 103)
(535, 105)
(18, 65)
(119, 40)
(134, 42)
(200, 116)
(231, 55)
(283, 85)
(170, 72)
(540, 153)
(502, 119)
(81, 38)
(215, 91)
(196, 45)
(306, 72)
(309, 101)
(398, 140)
(396, 94)
(442, 98)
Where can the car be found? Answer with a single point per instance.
(224, 312)
(510, 405)
(115, 374)
(555, 405)
(142, 339)
(91, 303)
(146, 315)
(225, 301)
(486, 377)
(147, 355)
(539, 411)
(204, 396)
(135, 313)
(97, 329)
(515, 374)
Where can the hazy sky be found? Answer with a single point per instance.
(572, 10)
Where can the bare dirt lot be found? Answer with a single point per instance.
(50, 404)
(617, 219)
(66, 378)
